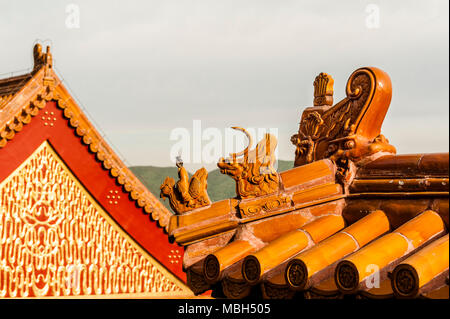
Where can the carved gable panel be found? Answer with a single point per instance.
(55, 240)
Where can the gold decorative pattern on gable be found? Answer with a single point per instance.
(55, 240)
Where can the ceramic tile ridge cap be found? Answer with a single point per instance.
(353, 238)
(206, 217)
(315, 265)
(393, 184)
(431, 223)
(257, 265)
(371, 158)
(200, 217)
(386, 252)
(307, 175)
(270, 228)
(224, 260)
(406, 166)
(421, 268)
(323, 176)
(251, 237)
(410, 247)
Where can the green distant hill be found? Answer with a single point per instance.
(220, 186)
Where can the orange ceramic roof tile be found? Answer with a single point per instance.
(217, 209)
(312, 189)
(45, 136)
(422, 228)
(342, 168)
(197, 251)
(406, 166)
(267, 231)
(288, 245)
(10, 86)
(352, 272)
(311, 266)
(386, 185)
(216, 263)
(203, 223)
(416, 271)
(315, 195)
(302, 177)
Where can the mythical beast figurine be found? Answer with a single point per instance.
(186, 194)
(253, 170)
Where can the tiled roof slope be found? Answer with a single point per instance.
(10, 86)
(352, 219)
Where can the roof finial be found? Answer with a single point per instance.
(323, 90)
(42, 58)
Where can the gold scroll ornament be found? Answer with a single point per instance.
(351, 128)
(55, 240)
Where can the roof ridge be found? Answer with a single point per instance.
(14, 114)
(14, 78)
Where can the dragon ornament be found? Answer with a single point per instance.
(253, 170)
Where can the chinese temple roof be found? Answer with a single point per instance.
(352, 218)
(92, 229)
(21, 98)
(10, 86)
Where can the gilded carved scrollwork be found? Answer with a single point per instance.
(265, 205)
(351, 128)
(55, 240)
(253, 170)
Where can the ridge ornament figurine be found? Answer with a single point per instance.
(186, 194)
(253, 170)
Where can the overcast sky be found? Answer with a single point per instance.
(143, 68)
